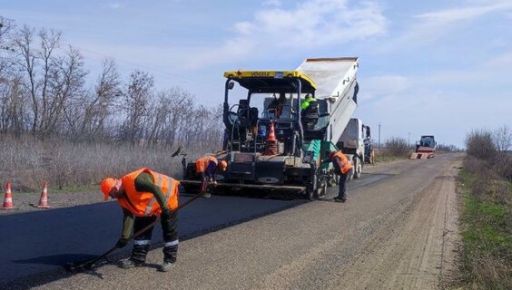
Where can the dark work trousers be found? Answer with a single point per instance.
(342, 193)
(207, 176)
(142, 243)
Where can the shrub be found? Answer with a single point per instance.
(480, 144)
(397, 146)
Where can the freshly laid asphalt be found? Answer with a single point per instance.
(35, 243)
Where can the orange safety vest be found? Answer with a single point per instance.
(145, 203)
(346, 164)
(202, 163)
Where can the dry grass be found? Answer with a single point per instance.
(27, 162)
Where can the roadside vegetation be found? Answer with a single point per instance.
(61, 125)
(393, 149)
(486, 187)
(398, 148)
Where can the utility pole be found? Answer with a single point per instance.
(409, 138)
(379, 137)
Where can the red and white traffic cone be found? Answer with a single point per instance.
(8, 197)
(43, 201)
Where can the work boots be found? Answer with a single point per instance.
(165, 266)
(129, 263)
(170, 255)
(137, 259)
(340, 199)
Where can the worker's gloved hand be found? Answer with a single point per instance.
(121, 243)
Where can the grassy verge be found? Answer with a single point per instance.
(486, 262)
(384, 155)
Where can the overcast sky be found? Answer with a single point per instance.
(439, 67)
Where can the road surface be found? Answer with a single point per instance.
(397, 231)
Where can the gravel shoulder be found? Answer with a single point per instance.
(398, 233)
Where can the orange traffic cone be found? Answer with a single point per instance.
(8, 197)
(272, 133)
(271, 144)
(43, 201)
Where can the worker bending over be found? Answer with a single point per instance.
(207, 166)
(144, 195)
(342, 167)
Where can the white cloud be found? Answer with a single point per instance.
(432, 26)
(443, 17)
(309, 25)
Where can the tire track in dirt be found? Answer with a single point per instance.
(412, 255)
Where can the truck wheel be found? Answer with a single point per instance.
(372, 157)
(311, 189)
(358, 167)
(332, 181)
(321, 190)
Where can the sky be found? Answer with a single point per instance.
(439, 67)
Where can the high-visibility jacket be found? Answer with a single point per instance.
(304, 104)
(202, 163)
(145, 203)
(345, 165)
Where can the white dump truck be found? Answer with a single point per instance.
(356, 142)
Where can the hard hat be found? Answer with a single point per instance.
(106, 186)
(223, 165)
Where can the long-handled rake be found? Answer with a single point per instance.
(91, 263)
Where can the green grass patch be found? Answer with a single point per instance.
(487, 238)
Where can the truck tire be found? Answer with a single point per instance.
(333, 179)
(311, 189)
(358, 167)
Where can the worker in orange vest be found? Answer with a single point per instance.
(206, 166)
(144, 195)
(342, 167)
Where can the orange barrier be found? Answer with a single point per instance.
(43, 201)
(421, 155)
(8, 204)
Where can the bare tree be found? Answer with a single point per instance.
(136, 105)
(23, 43)
(502, 138)
(45, 93)
(66, 88)
(12, 109)
(99, 107)
(181, 104)
(6, 47)
(49, 43)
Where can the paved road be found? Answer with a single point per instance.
(396, 233)
(36, 245)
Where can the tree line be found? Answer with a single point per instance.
(44, 92)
